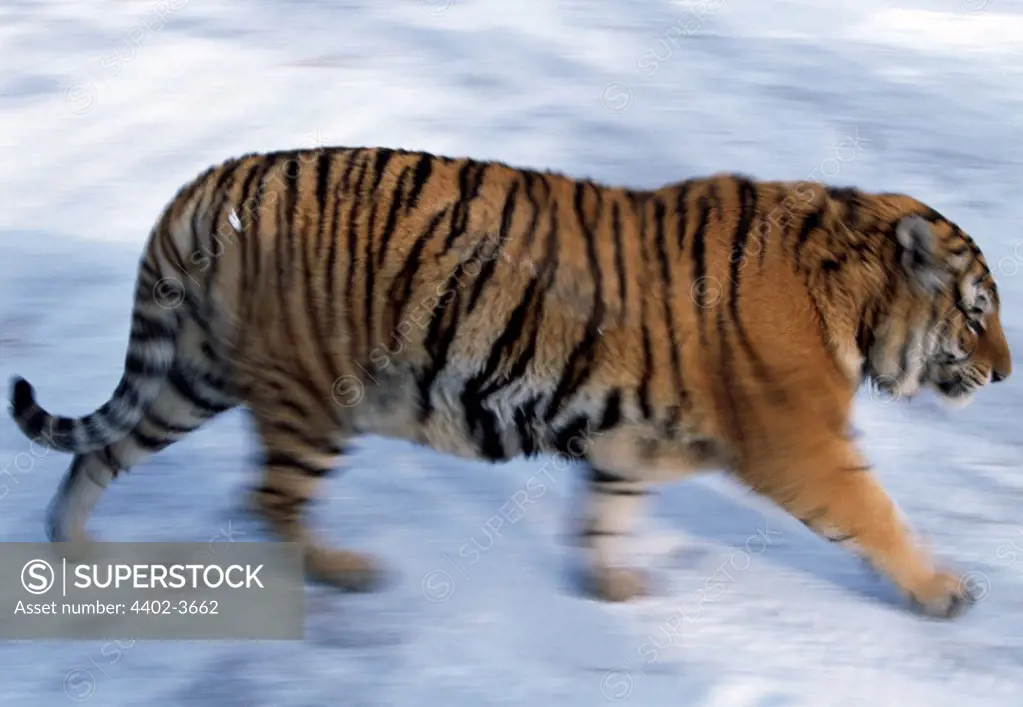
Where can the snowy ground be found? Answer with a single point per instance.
(108, 106)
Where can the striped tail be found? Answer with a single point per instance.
(151, 350)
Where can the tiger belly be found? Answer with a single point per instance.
(496, 429)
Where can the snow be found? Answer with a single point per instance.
(108, 106)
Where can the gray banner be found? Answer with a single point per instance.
(215, 590)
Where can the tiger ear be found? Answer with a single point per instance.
(920, 255)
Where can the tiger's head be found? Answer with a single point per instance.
(944, 332)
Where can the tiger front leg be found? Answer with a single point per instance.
(834, 493)
(612, 505)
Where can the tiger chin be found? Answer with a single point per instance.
(494, 312)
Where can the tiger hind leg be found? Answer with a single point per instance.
(190, 397)
(623, 467)
(80, 490)
(613, 502)
(294, 466)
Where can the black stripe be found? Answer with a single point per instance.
(576, 429)
(198, 212)
(293, 406)
(282, 459)
(725, 378)
(482, 424)
(512, 333)
(370, 274)
(392, 217)
(748, 207)
(507, 213)
(148, 270)
(763, 231)
(221, 193)
(186, 193)
(165, 427)
(381, 159)
(139, 366)
(580, 361)
(61, 427)
(250, 243)
(301, 434)
(313, 321)
(232, 237)
(145, 328)
(477, 390)
(226, 170)
(595, 533)
(287, 241)
(276, 492)
(352, 260)
(323, 164)
(405, 279)
(616, 231)
(185, 390)
(346, 176)
(440, 335)
(547, 189)
(526, 319)
(530, 235)
(666, 300)
(681, 215)
(419, 179)
(646, 377)
(468, 191)
(456, 215)
(286, 237)
(612, 413)
(839, 538)
(113, 462)
(620, 490)
(247, 199)
(600, 476)
(849, 199)
(904, 353)
(524, 417)
(330, 262)
(148, 443)
(700, 269)
(811, 222)
(523, 326)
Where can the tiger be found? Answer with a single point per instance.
(493, 312)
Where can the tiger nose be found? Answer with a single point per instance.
(998, 376)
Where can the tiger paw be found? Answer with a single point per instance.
(944, 595)
(77, 549)
(344, 569)
(71, 538)
(618, 584)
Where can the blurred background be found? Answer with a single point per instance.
(108, 106)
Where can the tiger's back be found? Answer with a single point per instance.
(489, 312)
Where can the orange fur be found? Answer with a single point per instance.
(491, 312)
